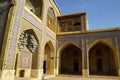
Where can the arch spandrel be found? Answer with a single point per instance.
(77, 43)
(108, 41)
(105, 42)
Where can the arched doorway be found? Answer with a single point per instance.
(71, 60)
(48, 64)
(99, 64)
(102, 60)
(22, 73)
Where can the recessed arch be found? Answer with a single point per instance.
(28, 44)
(67, 44)
(32, 31)
(49, 58)
(105, 58)
(51, 12)
(101, 41)
(110, 45)
(72, 55)
(51, 19)
(50, 43)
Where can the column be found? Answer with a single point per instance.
(40, 59)
(118, 53)
(85, 66)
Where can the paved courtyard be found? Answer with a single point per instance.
(73, 78)
(70, 77)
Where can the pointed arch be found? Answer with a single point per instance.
(51, 19)
(49, 58)
(51, 45)
(67, 44)
(69, 54)
(51, 12)
(103, 42)
(32, 31)
(106, 52)
(28, 44)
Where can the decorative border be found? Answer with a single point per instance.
(11, 55)
(77, 42)
(31, 19)
(90, 35)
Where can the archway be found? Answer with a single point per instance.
(22, 73)
(28, 53)
(102, 60)
(48, 64)
(71, 60)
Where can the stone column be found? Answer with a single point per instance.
(58, 63)
(85, 69)
(118, 53)
(55, 55)
(56, 59)
(40, 59)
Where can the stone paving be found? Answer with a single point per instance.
(25, 78)
(76, 77)
(73, 78)
(80, 78)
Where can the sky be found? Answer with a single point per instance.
(101, 13)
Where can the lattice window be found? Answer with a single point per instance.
(77, 26)
(27, 40)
